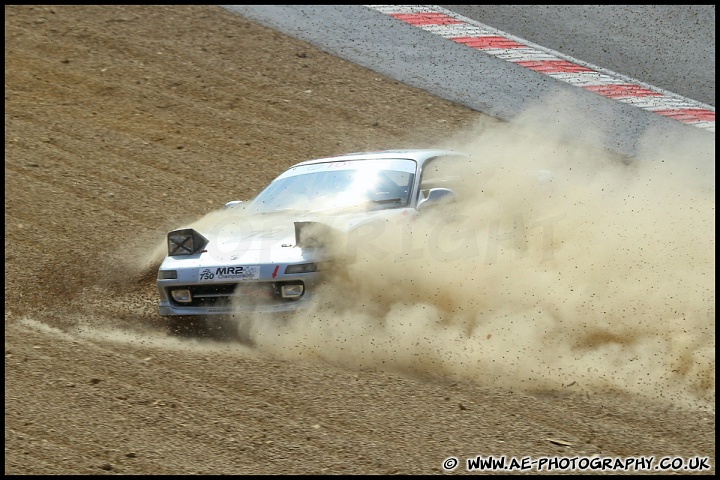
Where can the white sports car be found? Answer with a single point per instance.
(268, 255)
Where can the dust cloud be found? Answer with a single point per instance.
(560, 267)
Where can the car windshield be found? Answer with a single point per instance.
(371, 184)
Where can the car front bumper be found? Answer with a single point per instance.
(166, 309)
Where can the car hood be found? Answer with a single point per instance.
(273, 237)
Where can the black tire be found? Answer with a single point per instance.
(188, 326)
(214, 327)
(221, 328)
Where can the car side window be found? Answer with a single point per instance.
(441, 172)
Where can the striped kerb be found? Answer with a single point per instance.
(493, 42)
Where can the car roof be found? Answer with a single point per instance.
(420, 155)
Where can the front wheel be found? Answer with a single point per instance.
(215, 327)
(188, 326)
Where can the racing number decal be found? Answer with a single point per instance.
(229, 273)
(206, 275)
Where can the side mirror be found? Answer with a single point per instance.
(233, 204)
(437, 196)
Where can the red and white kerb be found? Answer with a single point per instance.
(457, 28)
